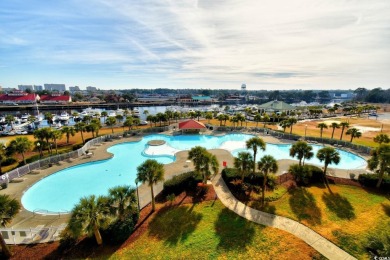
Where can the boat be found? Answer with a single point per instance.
(111, 113)
(64, 116)
(90, 112)
(135, 112)
(24, 118)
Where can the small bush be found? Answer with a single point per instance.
(306, 174)
(183, 182)
(33, 158)
(370, 180)
(120, 230)
(8, 161)
(77, 146)
(231, 174)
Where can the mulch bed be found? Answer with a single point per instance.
(87, 247)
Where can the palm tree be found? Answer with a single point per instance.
(220, 118)
(49, 117)
(104, 114)
(119, 118)
(302, 151)
(151, 119)
(382, 138)
(292, 121)
(328, 155)
(56, 135)
(209, 116)
(88, 216)
(267, 164)
(198, 114)
(176, 115)
(265, 119)
(240, 118)
(334, 125)
(284, 124)
(128, 122)
(321, 126)
(21, 145)
(150, 172)
(203, 160)
(136, 121)
(80, 127)
(8, 210)
(87, 119)
(354, 132)
(3, 156)
(380, 160)
(343, 125)
(254, 143)
(111, 121)
(122, 199)
(257, 119)
(243, 162)
(68, 131)
(95, 126)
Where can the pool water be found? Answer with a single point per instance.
(59, 192)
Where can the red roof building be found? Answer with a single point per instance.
(55, 98)
(191, 125)
(18, 97)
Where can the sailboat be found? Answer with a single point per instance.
(38, 117)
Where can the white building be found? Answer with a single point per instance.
(57, 87)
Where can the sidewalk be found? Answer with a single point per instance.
(319, 243)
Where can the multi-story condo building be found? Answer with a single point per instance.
(57, 87)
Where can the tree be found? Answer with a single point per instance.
(254, 143)
(119, 118)
(8, 210)
(257, 119)
(243, 162)
(56, 135)
(265, 119)
(302, 151)
(104, 114)
(198, 114)
(220, 118)
(150, 172)
(128, 122)
(267, 164)
(81, 127)
(328, 155)
(284, 124)
(292, 121)
(321, 126)
(209, 116)
(122, 199)
(88, 216)
(151, 119)
(68, 131)
(111, 121)
(3, 156)
(95, 126)
(203, 161)
(240, 118)
(343, 125)
(353, 132)
(21, 145)
(49, 117)
(380, 161)
(334, 125)
(382, 138)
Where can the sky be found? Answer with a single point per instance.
(209, 44)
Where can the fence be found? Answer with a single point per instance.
(21, 171)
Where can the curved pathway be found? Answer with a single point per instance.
(321, 244)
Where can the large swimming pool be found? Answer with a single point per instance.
(59, 192)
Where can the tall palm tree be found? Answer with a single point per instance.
(21, 145)
(95, 126)
(265, 119)
(267, 164)
(321, 126)
(128, 122)
(220, 118)
(203, 161)
(49, 117)
(334, 125)
(354, 132)
(209, 116)
(243, 162)
(68, 131)
(240, 117)
(136, 121)
(257, 119)
(122, 199)
(81, 127)
(284, 124)
(56, 135)
(198, 114)
(104, 114)
(111, 121)
(302, 151)
(328, 155)
(380, 161)
(292, 121)
(254, 143)
(3, 156)
(382, 138)
(151, 119)
(89, 216)
(176, 115)
(8, 210)
(343, 125)
(150, 172)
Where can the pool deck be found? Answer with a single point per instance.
(27, 219)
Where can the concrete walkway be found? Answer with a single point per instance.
(319, 243)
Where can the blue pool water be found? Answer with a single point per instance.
(59, 192)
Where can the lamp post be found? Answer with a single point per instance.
(39, 148)
(305, 131)
(136, 185)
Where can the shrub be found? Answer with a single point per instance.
(77, 146)
(183, 182)
(8, 161)
(33, 158)
(231, 174)
(370, 180)
(306, 174)
(120, 230)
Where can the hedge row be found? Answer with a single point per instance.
(183, 182)
(370, 180)
(232, 174)
(306, 174)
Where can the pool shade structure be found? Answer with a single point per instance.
(191, 126)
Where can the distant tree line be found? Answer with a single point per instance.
(376, 95)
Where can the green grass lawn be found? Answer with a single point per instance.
(347, 217)
(208, 231)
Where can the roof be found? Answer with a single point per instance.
(276, 105)
(18, 97)
(55, 98)
(191, 124)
